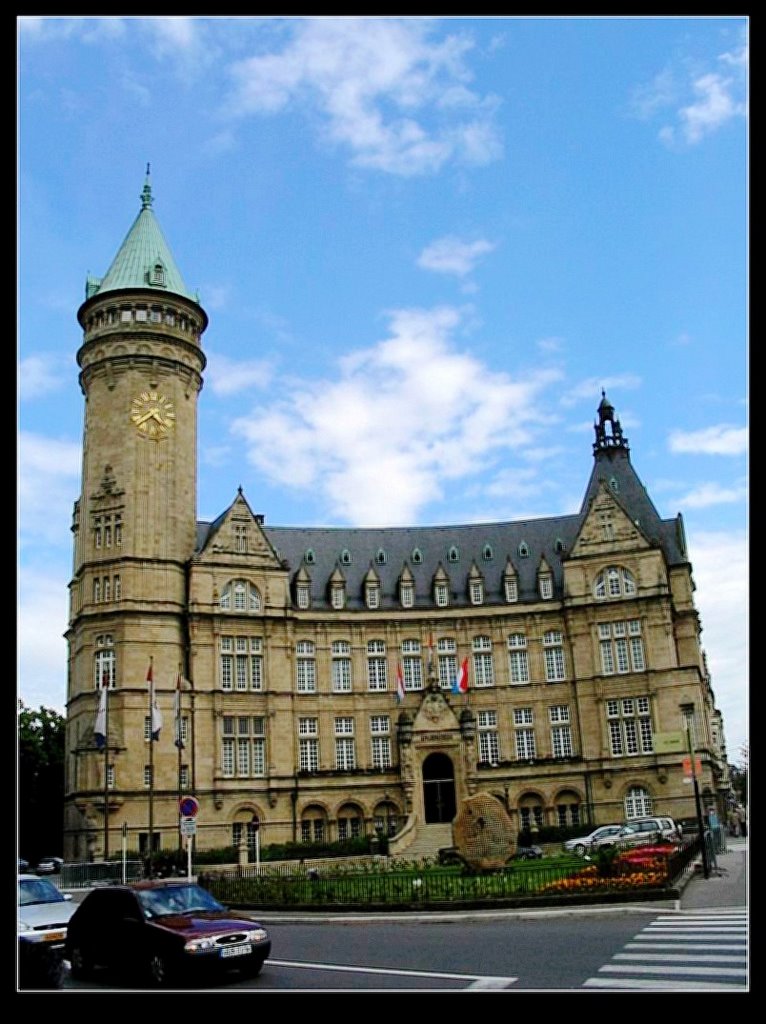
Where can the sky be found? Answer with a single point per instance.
(424, 245)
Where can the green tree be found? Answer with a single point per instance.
(40, 782)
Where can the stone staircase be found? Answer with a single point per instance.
(427, 842)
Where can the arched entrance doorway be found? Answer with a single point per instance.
(438, 789)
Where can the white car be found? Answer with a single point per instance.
(44, 911)
(641, 832)
(584, 843)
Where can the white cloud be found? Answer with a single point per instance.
(719, 440)
(40, 375)
(450, 255)
(705, 99)
(378, 86)
(49, 471)
(42, 652)
(721, 573)
(412, 412)
(712, 494)
(229, 376)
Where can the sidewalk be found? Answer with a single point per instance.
(727, 885)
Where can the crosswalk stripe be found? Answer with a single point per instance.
(661, 985)
(650, 969)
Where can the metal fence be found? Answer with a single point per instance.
(88, 875)
(382, 889)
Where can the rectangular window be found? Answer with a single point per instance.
(511, 590)
(553, 650)
(344, 726)
(381, 752)
(483, 670)
(525, 744)
(517, 657)
(489, 747)
(412, 669)
(184, 778)
(621, 647)
(442, 595)
(376, 665)
(308, 754)
(147, 775)
(345, 756)
(306, 673)
(630, 726)
(546, 588)
(561, 741)
(341, 675)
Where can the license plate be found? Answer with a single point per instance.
(54, 937)
(237, 950)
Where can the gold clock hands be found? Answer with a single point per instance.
(146, 416)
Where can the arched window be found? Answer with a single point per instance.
(486, 553)
(240, 596)
(523, 550)
(453, 555)
(345, 557)
(313, 825)
(638, 803)
(417, 556)
(614, 582)
(350, 822)
(380, 557)
(567, 809)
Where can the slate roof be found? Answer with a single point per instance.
(550, 537)
(143, 247)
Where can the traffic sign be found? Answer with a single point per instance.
(188, 827)
(188, 806)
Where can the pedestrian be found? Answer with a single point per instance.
(742, 815)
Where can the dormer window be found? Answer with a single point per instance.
(338, 596)
(558, 547)
(523, 550)
(545, 583)
(380, 557)
(372, 594)
(345, 557)
(303, 594)
(511, 587)
(453, 555)
(476, 591)
(441, 595)
(309, 558)
(407, 594)
(417, 556)
(157, 276)
(486, 553)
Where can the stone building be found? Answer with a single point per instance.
(277, 653)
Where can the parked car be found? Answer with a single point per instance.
(158, 931)
(50, 866)
(639, 833)
(582, 844)
(664, 826)
(44, 914)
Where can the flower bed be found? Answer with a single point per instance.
(642, 868)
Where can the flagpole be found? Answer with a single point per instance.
(105, 684)
(151, 766)
(177, 730)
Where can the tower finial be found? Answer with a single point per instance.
(146, 193)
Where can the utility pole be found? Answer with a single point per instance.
(698, 803)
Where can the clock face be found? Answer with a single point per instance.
(153, 415)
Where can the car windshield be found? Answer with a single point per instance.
(176, 899)
(38, 890)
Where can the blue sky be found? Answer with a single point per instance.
(424, 246)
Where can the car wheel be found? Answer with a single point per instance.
(579, 849)
(254, 969)
(79, 964)
(158, 970)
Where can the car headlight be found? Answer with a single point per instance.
(199, 945)
(257, 935)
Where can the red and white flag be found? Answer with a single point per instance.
(461, 682)
(154, 711)
(399, 683)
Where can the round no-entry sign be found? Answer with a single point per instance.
(188, 806)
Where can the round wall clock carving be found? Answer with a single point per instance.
(153, 415)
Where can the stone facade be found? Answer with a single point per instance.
(580, 633)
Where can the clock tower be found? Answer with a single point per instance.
(134, 523)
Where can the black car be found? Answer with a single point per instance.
(157, 932)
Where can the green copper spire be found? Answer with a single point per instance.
(144, 259)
